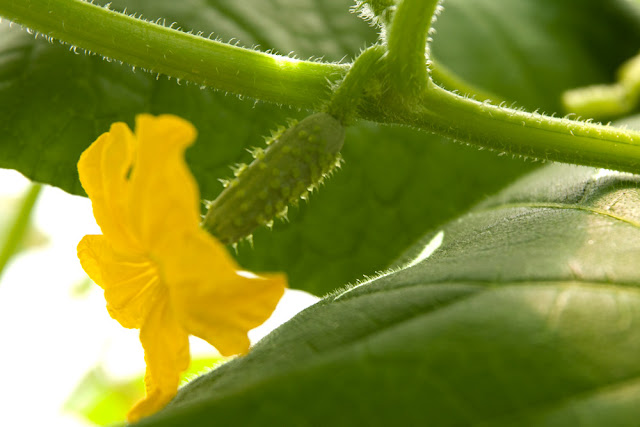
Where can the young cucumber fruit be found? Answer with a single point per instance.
(294, 162)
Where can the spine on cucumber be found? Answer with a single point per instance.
(295, 161)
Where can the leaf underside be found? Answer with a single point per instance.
(527, 314)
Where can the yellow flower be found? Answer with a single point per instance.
(161, 273)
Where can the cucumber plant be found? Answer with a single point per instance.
(458, 289)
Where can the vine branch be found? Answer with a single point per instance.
(407, 45)
(189, 57)
(515, 132)
(347, 96)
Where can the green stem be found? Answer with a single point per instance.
(185, 56)
(19, 225)
(348, 95)
(509, 131)
(407, 44)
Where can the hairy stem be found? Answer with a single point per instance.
(516, 132)
(18, 225)
(185, 56)
(407, 44)
(348, 95)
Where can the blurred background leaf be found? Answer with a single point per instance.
(525, 315)
(532, 51)
(397, 183)
(16, 231)
(104, 401)
(33, 237)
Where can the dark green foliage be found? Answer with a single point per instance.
(526, 315)
(396, 184)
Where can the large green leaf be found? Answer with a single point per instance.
(397, 183)
(527, 314)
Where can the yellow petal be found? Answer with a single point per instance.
(129, 281)
(164, 195)
(103, 169)
(212, 299)
(166, 351)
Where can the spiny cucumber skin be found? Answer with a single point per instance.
(296, 160)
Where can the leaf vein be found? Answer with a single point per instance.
(549, 205)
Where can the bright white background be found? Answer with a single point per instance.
(49, 338)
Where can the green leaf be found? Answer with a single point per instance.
(532, 51)
(397, 184)
(527, 314)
